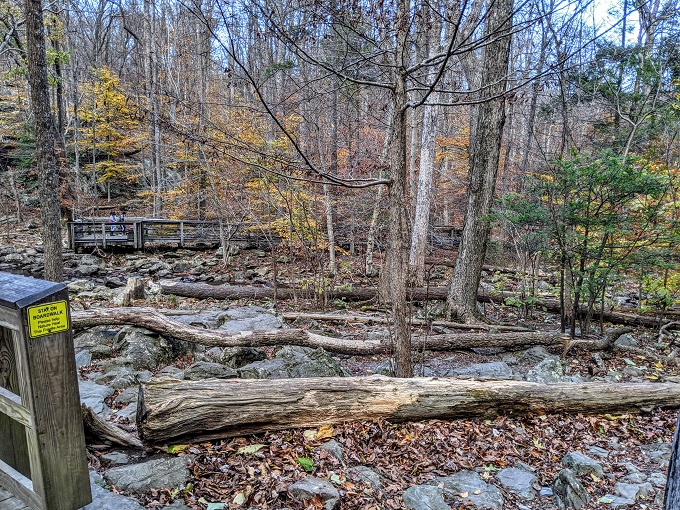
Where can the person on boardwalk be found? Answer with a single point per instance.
(113, 219)
(121, 219)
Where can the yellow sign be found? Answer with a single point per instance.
(47, 319)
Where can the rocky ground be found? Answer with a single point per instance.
(540, 462)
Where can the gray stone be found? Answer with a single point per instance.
(311, 487)
(93, 395)
(367, 475)
(93, 337)
(237, 357)
(632, 491)
(533, 355)
(634, 478)
(127, 396)
(206, 320)
(568, 491)
(660, 452)
(177, 505)
(385, 368)
(626, 340)
(334, 449)
(658, 479)
(494, 370)
(163, 473)
(206, 370)
(250, 318)
(581, 464)
(147, 350)
(118, 378)
(103, 499)
(293, 362)
(143, 376)
(424, 497)
(83, 358)
(480, 493)
(116, 458)
(550, 371)
(598, 452)
(518, 481)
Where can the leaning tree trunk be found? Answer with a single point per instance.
(173, 411)
(48, 176)
(485, 146)
(150, 319)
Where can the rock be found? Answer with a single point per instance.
(310, 487)
(93, 395)
(292, 362)
(581, 464)
(250, 318)
(658, 479)
(94, 337)
(146, 350)
(237, 357)
(367, 475)
(163, 473)
(106, 500)
(533, 355)
(598, 452)
(334, 449)
(632, 491)
(177, 505)
(206, 370)
(550, 371)
(172, 371)
(116, 458)
(479, 493)
(626, 340)
(661, 452)
(568, 491)
(518, 481)
(424, 497)
(206, 320)
(385, 368)
(494, 370)
(119, 378)
(83, 358)
(634, 478)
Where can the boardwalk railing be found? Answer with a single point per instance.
(136, 233)
(43, 460)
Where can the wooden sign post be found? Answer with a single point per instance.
(43, 460)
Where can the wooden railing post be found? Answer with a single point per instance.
(43, 460)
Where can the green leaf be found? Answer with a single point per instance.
(629, 362)
(216, 506)
(176, 448)
(605, 499)
(239, 499)
(306, 463)
(252, 449)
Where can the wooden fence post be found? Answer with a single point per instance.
(43, 460)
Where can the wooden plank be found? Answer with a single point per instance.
(13, 441)
(10, 404)
(19, 485)
(58, 436)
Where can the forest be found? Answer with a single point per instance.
(529, 148)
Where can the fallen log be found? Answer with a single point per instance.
(325, 317)
(98, 431)
(150, 319)
(204, 291)
(173, 411)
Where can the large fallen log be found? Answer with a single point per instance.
(173, 411)
(152, 320)
(204, 291)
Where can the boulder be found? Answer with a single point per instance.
(334, 449)
(237, 357)
(146, 350)
(106, 500)
(207, 370)
(550, 370)
(162, 473)
(310, 487)
(93, 395)
(424, 497)
(518, 481)
(250, 318)
(293, 362)
(568, 491)
(581, 464)
(367, 475)
(494, 370)
(467, 487)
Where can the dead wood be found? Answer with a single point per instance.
(99, 431)
(152, 320)
(173, 411)
(204, 291)
(372, 319)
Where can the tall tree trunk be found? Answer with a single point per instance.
(486, 146)
(398, 243)
(48, 176)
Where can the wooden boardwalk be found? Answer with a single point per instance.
(137, 233)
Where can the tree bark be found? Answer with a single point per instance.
(48, 176)
(152, 320)
(100, 431)
(485, 145)
(173, 411)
